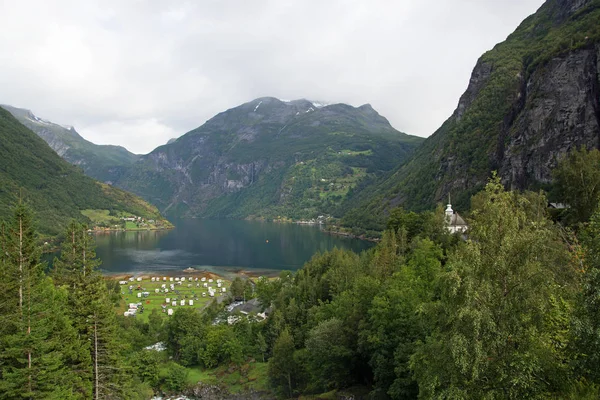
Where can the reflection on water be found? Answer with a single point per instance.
(216, 244)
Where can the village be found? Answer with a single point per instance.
(111, 220)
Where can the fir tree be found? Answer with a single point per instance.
(33, 325)
(92, 312)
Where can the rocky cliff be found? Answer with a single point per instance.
(530, 100)
(559, 110)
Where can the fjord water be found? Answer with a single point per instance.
(217, 245)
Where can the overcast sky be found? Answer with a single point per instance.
(137, 73)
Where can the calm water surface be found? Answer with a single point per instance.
(218, 246)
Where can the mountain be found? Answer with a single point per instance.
(57, 190)
(529, 101)
(269, 158)
(102, 162)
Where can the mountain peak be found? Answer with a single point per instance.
(561, 10)
(367, 107)
(269, 157)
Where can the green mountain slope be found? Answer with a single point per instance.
(530, 100)
(105, 163)
(57, 190)
(270, 158)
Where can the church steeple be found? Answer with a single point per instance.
(449, 211)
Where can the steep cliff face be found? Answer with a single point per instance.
(269, 158)
(529, 101)
(562, 112)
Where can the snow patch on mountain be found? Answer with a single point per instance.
(319, 104)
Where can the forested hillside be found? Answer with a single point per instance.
(509, 313)
(530, 100)
(102, 162)
(31, 171)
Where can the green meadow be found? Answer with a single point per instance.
(187, 287)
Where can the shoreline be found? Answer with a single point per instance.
(351, 235)
(196, 273)
(109, 230)
(324, 227)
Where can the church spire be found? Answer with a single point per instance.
(449, 211)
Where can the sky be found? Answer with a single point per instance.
(139, 72)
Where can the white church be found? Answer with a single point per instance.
(455, 222)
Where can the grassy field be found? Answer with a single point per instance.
(102, 218)
(237, 379)
(183, 290)
(354, 153)
(340, 186)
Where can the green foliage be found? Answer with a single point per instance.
(336, 302)
(34, 325)
(147, 367)
(186, 331)
(92, 312)
(510, 313)
(410, 222)
(577, 181)
(586, 333)
(500, 309)
(101, 162)
(395, 324)
(283, 367)
(328, 354)
(57, 190)
(220, 346)
(174, 377)
(237, 288)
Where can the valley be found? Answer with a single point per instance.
(206, 269)
(32, 172)
(266, 159)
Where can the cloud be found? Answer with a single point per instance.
(155, 69)
(144, 135)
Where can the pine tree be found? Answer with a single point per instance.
(33, 325)
(92, 312)
(282, 366)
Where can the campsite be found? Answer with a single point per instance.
(143, 293)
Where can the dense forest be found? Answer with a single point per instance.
(507, 311)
